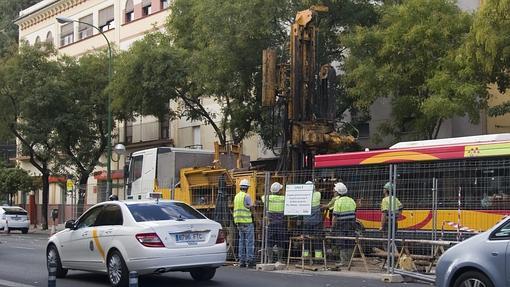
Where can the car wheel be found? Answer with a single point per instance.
(24, 230)
(203, 274)
(53, 256)
(118, 273)
(473, 279)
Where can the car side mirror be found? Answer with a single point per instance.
(70, 224)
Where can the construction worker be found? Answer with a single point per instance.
(313, 224)
(344, 220)
(243, 219)
(276, 227)
(385, 210)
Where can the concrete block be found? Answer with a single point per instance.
(392, 278)
(265, 267)
(280, 266)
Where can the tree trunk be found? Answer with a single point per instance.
(82, 191)
(45, 199)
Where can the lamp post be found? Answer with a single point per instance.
(63, 20)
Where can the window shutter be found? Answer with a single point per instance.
(105, 15)
(86, 19)
(67, 29)
(129, 6)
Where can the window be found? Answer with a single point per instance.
(66, 34)
(147, 10)
(49, 37)
(38, 40)
(147, 7)
(165, 4)
(89, 218)
(129, 11)
(196, 135)
(136, 168)
(106, 19)
(110, 215)
(163, 211)
(502, 232)
(84, 29)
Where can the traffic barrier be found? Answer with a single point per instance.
(133, 279)
(52, 274)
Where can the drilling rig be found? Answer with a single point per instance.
(307, 93)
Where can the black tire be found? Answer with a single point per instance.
(118, 273)
(24, 230)
(52, 254)
(203, 274)
(473, 276)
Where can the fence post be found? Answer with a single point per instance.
(133, 279)
(267, 182)
(52, 274)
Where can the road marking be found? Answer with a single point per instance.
(13, 284)
(19, 247)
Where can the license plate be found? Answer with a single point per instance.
(16, 218)
(189, 237)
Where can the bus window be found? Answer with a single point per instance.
(136, 168)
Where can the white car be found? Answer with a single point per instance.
(148, 237)
(14, 218)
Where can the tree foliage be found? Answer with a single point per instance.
(489, 46)
(30, 96)
(15, 179)
(9, 11)
(413, 56)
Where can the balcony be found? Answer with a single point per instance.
(147, 134)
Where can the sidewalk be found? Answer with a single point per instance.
(38, 230)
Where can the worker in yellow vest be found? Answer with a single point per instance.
(313, 224)
(344, 222)
(243, 219)
(385, 210)
(276, 228)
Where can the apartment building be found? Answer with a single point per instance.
(123, 22)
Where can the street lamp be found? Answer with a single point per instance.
(63, 20)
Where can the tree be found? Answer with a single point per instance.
(30, 96)
(13, 180)
(9, 11)
(81, 126)
(414, 57)
(488, 44)
(212, 51)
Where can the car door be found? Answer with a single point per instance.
(500, 254)
(77, 251)
(108, 222)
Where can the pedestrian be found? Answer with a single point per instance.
(385, 210)
(313, 225)
(243, 208)
(276, 227)
(344, 222)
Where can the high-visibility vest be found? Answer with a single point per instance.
(345, 208)
(241, 213)
(397, 205)
(276, 203)
(316, 199)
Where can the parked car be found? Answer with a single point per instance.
(482, 260)
(14, 218)
(148, 237)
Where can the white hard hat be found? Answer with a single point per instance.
(276, 187)
(340, 188)
(309, 182)
(244, 183)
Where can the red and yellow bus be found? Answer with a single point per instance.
(441, 183)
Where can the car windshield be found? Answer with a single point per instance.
(163, 211)
(14, 211)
